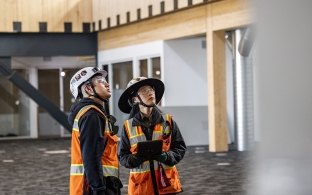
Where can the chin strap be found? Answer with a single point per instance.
(97, 95)
(145, 105)
(135, 106)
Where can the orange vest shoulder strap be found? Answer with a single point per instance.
(168, 123)
(127, 124)
(87, 108)
(168, 118)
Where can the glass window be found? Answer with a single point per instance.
(143, 68)
(122, 74)
(14, 112)
(49, 86)
(156, 68)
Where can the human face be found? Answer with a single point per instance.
(101, 87)
(147, 94)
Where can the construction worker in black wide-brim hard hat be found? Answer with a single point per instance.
(94, 162)
(149, 174)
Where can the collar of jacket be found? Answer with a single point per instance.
(156, 118)
(75, 108)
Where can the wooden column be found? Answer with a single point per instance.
(217, 114)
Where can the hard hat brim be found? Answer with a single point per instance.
(103, 72)
(157, 84)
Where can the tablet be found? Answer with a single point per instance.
(150, 148)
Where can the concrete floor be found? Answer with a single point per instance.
(41, 167)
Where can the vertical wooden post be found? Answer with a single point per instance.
(217, 114)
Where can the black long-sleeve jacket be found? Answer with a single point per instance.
(177, 147)
(92, 141)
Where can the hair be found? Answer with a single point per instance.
(135, 109)
(82, 90)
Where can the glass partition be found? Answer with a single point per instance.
(14, 112)
(156, 68)
(143, 68)
(122, 74)
(49, 86)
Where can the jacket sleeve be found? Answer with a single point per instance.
(126, 158)
(92, 143)
(177, 147)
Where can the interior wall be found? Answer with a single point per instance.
(192, 122)
(130, 52)
(185, 72)
(185, 78)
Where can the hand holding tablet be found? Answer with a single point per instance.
(148, 149)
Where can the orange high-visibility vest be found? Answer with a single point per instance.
(140, 179)
(109, 157)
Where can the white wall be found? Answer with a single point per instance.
(192, 122)
(185, 72)
(129, 53)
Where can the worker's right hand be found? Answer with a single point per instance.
(138, 158)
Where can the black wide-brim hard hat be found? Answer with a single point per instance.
(157, 84)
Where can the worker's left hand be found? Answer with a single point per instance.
(162, 157)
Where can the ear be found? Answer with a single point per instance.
(88, 90)
(135, 99)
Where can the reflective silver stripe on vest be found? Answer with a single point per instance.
(144, 167)
(110, 171)
(78, 169)
(157, 134)
(135, 139)
(75, 125)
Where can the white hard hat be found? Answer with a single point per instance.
(82, 76)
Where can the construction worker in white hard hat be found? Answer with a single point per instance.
(94, 162)
(152, 170)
